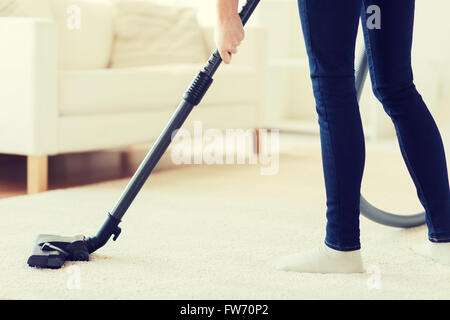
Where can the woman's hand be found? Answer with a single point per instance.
(229, 33)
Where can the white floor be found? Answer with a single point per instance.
(209, 232)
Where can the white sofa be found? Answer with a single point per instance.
(47, 111)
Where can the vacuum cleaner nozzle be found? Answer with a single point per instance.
(50, 251)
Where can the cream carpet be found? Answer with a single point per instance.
(208, 232)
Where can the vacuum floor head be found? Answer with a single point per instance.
(51, 251)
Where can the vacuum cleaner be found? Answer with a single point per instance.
(51, 251)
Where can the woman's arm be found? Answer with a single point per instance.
(229, 30)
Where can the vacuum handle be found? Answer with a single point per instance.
(247, 10)
(215, 60)
(203, 79)
(191, 98)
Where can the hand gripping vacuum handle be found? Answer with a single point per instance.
(191, 98)
(204, 79)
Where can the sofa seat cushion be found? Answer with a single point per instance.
(83, 92)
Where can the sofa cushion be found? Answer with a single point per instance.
(85, 32)
(150, 34)
(25, 8)
(83, 92)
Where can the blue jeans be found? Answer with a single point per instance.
(330, 29)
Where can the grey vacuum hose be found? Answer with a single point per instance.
(367, 209)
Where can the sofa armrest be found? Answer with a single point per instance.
(28, 86)
(253, 50)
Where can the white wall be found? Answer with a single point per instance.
(431, 54)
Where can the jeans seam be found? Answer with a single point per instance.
(436, 239)
(369, 51)
(415, 178)
(372, 69)
(342, 247)
(324, 102)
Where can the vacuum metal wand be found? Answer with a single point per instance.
(192, 97)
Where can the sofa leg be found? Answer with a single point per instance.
(257, 141)
(37, 174)
(125, 160)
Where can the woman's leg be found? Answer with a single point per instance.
(389, 55)
(330, 28)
